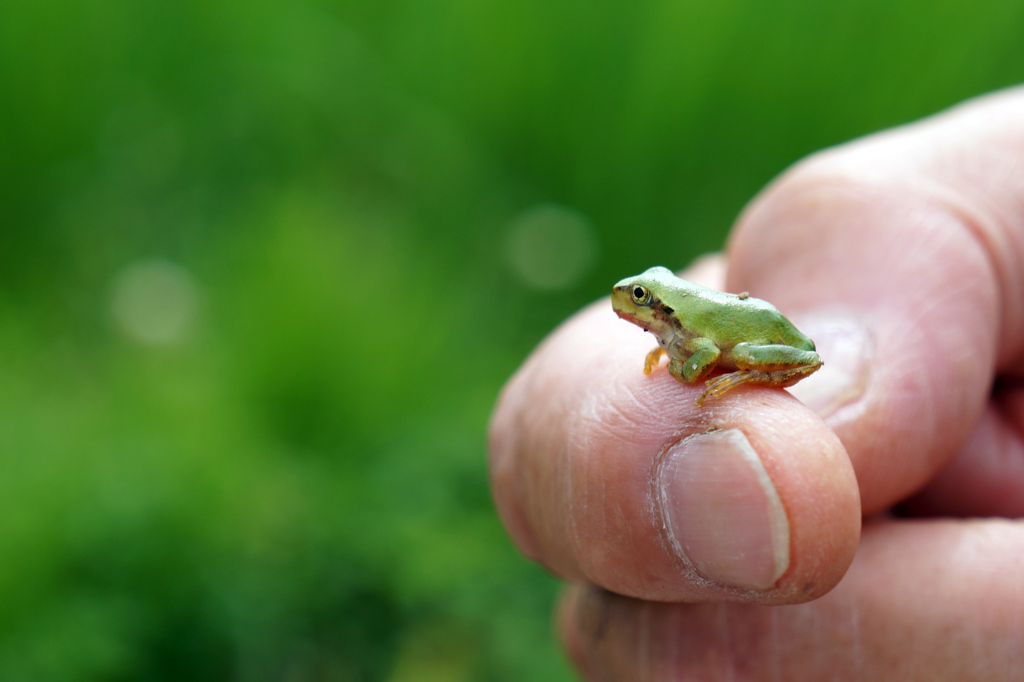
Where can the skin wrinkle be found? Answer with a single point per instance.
(776, 646)
(593, 424)
(610, 419)
(728, 667)
(858, 649)
(543, 379)
(561, 475)
(509, 496)
(977, 651)
(668, 540)
(997, 231)
(532, 488)
(930, 243)
(676, 645)
(1014, 654)
(995, 251)
(649, 502)
(904, 384)
(575, 505)
(589, 562)
(644, 656)
(925, 390)
(578, 437)
(922, 312)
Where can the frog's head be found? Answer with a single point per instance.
(639, 299)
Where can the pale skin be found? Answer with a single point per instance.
(902, 253)
(701, 329)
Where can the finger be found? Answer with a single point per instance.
(909, 246)
(986, 478)
(603, 473)
(923, 601)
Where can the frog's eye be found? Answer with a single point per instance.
(641, 295)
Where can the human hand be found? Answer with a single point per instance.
(902, 256)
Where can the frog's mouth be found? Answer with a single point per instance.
(625, 315)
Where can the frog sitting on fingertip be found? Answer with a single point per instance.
(701, 329)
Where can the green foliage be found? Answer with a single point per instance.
(256, 297)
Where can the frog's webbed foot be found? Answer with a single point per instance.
(721, 384)
(652, 359)
(779, 378)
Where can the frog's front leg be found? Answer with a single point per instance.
(765, 365)
(652, 359)
(700, 356)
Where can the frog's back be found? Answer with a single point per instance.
(729, 319)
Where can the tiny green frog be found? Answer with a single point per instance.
(701, 329)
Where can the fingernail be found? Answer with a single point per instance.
(846, 348)
(722, 512)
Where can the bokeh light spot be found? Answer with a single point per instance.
(551, 247)
(154, 302)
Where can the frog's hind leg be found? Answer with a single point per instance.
(780, 378)
(766, 365)
(720, 385)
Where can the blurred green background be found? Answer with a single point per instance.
(264, 267)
